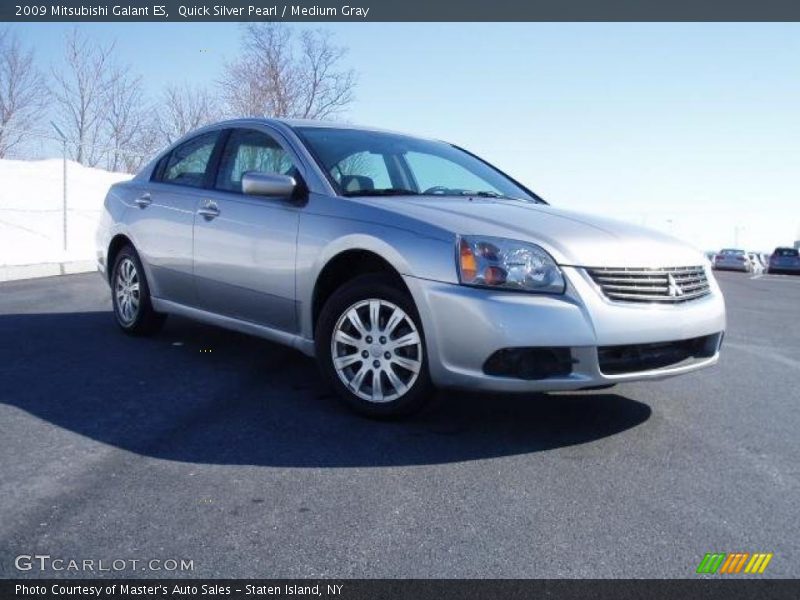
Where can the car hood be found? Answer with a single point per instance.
(571, 238)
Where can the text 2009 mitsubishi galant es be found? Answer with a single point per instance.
(401, 264)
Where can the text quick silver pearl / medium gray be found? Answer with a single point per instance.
(402, 264)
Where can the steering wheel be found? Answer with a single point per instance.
(437, 189)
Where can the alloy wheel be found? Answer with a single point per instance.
(127, 291)
(376, 350)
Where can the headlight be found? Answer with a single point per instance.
(507, 264)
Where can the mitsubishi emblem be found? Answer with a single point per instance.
(674, 290)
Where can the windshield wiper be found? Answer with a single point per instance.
(489, 194)
(383, 192)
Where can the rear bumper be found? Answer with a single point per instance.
(465, 326)
(732, 267)
(784, 270)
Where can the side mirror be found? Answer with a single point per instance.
(268, 184)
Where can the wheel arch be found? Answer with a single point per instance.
(346, 266)
(116, 244)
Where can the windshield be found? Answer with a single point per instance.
(368, 163)
(787, 252)
(732, 252)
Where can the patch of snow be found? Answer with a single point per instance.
(31, 201)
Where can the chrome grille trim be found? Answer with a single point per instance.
(641, 284)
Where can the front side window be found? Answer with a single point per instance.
(188, 162)
(362, 170)
(371, 163)
(250, 150)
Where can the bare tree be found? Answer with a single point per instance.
(125, 119)
(81, 89)
(283, 75)
(143, 145)
(184, 108)
(22, 92)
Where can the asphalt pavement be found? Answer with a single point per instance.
(229, 452)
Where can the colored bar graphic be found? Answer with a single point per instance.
(734, 562)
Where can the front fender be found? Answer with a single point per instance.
(322, 239)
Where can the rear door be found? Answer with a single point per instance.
(162, 222)
(244, 246)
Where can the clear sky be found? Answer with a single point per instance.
(689, 128)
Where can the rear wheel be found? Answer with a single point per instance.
(130, 296)
(371, 347)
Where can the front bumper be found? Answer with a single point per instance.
(464, 326)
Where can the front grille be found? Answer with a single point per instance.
(668, 285)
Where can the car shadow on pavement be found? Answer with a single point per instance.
(199, 394)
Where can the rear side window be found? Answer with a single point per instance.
(250, 150)
(187, 164)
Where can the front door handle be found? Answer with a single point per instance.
(209, 210)
(144, 200)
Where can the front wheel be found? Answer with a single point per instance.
(371, 347)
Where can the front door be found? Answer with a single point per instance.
(244, 246)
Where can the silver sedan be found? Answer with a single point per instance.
(401, 264)
(733, 259)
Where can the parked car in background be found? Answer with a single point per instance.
(732, 259)
(401, 264)
(785, 260)
(757, 264)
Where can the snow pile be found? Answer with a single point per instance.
(31, 199)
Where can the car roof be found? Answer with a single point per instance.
(310, 123)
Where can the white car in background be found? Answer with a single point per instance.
(757, 265)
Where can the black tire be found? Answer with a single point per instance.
(143, 320)
(418, 388)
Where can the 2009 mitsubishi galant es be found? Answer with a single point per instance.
(401, 264)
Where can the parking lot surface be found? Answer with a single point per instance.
(229, 451)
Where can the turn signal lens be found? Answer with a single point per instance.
(469, 266)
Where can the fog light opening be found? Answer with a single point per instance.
(529, 363)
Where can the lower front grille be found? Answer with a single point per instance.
(632, 358)
(668, 285)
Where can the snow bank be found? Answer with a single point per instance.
(31, 196)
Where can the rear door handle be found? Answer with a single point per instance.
(209, 210)
(144, 200)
